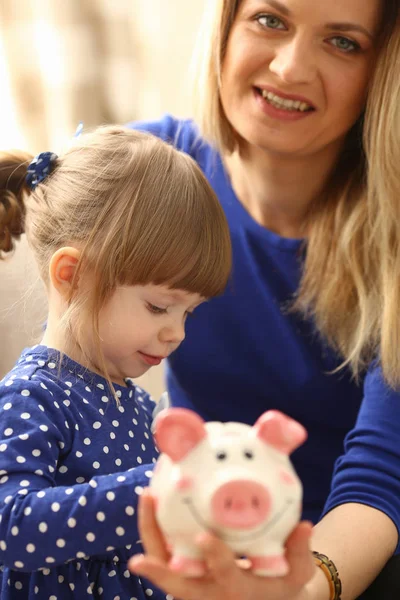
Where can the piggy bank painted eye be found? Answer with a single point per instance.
(221, 455)
(248, 454)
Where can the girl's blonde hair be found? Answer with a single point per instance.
(138, 210)
(351, 279)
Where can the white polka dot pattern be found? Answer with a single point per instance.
(73, 462)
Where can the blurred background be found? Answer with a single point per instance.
(95, 61)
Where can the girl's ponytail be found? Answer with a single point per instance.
(13, 191)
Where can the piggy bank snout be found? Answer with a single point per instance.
(240, 504)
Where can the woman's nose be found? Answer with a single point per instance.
(294, 62)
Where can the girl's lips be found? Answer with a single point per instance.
(151, 360)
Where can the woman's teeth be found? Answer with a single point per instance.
(283, 103)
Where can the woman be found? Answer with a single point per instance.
(301, 101)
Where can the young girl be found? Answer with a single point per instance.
(129, 239)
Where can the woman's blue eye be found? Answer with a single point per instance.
(156, 310)
(344, 44)
(270, 21)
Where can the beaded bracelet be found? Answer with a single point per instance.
(331, 573)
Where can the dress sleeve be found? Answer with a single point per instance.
(42, 524)
(369, 470)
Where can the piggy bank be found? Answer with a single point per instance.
(232, 479)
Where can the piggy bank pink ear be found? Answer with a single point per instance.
(178, 431)
(279, 431)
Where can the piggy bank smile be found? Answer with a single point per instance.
(241, 533)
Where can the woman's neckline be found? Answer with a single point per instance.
(275, 239)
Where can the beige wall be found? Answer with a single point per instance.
(166, 32)
(23, 305)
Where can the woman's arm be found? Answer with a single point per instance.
(359, 540)
(359, 530)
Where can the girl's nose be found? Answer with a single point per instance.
(174, 333)
(294, 62)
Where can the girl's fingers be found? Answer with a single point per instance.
(152, 539)
(299, 556)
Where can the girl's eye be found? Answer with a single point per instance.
(156, 310)
(270, 21)
(344, 44)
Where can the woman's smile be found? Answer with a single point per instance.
(277, 107)
(288, 62)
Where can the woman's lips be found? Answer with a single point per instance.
(284, 95)
(279, 113)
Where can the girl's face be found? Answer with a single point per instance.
(295, 72)
(142, 325)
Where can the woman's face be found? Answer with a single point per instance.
(295, 72)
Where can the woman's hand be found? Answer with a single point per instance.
(226, 578)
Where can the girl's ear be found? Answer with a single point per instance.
(62, 269)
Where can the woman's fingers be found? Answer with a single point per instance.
(219, 558)
(172, 583)
(225, 577)
(152, 539)
(298, 555)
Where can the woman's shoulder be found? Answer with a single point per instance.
(375, 380)
(380, 407)
(184, 134)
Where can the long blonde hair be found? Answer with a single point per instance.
(139, 211)
(351, 279)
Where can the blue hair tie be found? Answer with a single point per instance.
(79, 129)
(40, 167)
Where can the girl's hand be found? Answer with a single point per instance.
(226, 578)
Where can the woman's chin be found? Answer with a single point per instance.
(277, 143)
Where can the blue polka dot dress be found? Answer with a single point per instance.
(72, 463)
